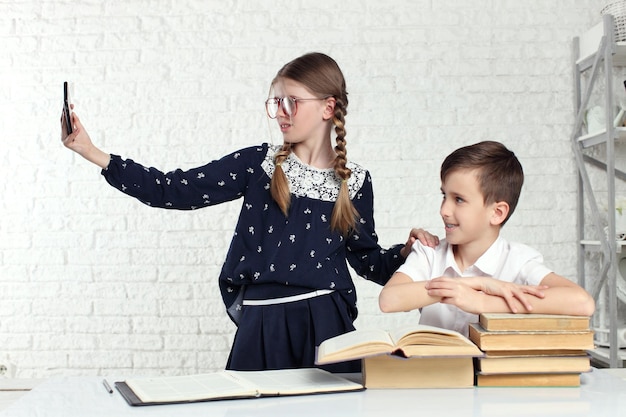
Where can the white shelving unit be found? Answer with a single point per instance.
(592, 51)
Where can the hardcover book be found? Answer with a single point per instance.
(526, 340)
(228, 384)
(523, 322)
(518, 362)
(529, 380)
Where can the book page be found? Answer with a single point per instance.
(295, 381)
(354, 344)
(434, 351)
(190, 387)
(428, 335)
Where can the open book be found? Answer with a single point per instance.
(223, 385)
(408, 341)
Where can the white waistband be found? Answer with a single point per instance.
(289, 299)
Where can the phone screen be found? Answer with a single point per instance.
(66, 107)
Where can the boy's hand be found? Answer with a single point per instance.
(423, 236)
(457, 291)
(511, 292)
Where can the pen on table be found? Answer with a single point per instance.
(107, 386)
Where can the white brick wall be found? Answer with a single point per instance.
(94, 282)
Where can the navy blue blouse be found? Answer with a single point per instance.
(271, 255)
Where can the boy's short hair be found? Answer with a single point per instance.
(499, 172)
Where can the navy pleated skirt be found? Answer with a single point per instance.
(282, 336)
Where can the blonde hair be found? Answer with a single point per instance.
(320, 74)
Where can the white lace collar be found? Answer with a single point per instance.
(315, 183)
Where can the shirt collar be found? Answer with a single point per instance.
(487, 263)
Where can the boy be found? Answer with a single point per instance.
(474, 270)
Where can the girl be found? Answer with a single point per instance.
(305, 211)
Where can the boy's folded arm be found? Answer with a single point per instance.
(513, 294)
(494, 286)
(563, 296)
(401, 293)
(554, 295)
(559, 296)
(472, 299)
(556, 300)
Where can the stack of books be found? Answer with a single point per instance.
(531, 349)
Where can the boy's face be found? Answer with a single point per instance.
(465, 216)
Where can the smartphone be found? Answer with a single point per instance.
(67, 113)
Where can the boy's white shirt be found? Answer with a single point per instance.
(511, 262)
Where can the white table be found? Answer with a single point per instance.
(13, 388)
(601, 394)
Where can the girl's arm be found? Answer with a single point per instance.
(216, 182)
(364, 253)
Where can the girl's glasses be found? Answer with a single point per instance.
(289, 105)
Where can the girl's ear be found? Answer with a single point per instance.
(329, 110)
(500, 212)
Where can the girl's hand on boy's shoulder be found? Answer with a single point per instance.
(425, 238)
